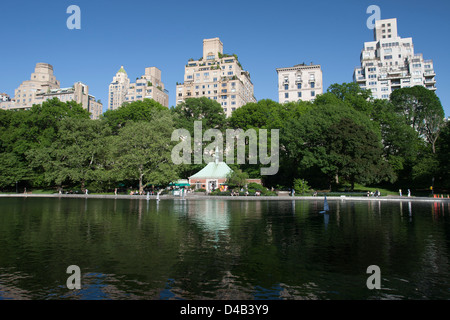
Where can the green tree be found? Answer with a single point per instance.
(32, 129)
(132, 111)
(421, 109)
(355, 153)
(208, 111)
(301, 186)
(211, 115)
(400, 141)
(316, 149)
(142, 151)
(443, 156)
(237, 178)
(351, 94)
(76, 155)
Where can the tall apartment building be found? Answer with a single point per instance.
(217, 76)
(389, 63)
(79, 93)
(300, 82)
(118, 89)
(43, 86)
(148, 86)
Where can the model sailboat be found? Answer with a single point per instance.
(326, 208)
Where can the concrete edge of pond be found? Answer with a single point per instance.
(207, 197)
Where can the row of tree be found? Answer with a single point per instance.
(342, 138)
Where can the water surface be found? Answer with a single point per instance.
(219, 249)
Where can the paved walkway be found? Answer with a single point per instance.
(203, 197)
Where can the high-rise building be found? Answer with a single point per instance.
(118, 89)
(389, 63)
(148, 86)
(42, 80)
(217, 76)
(79, 93)
(300, 82)
(43, 86)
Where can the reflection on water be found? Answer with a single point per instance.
(218, 249)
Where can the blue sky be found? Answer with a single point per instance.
(264, 34)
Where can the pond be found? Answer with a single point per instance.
(221, 249)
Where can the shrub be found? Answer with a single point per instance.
(301, 186)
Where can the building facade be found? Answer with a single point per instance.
(4, 97)
(300, 82)
(44, 86)
(389, 63)
(79, 93)
(148, 86)
(217, 76)
(118, 89)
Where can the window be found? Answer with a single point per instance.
(299, 85)
(286, 87)
(388, 57)
(313, 93)
(299, 94)
(313, 84)
(211, 57)
(286, 95)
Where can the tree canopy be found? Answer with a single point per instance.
(343, 138)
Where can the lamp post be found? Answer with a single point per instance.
(17, 189)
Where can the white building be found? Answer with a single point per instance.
(118, 89)
(148, 86)
(300, 82)
(43, 86)
(389, 62)
(217, 76)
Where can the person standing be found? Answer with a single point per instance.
(400, 192)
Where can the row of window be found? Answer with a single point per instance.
(299, 94)
(299, 86)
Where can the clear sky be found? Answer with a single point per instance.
(264, 34)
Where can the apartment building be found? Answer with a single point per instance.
(79, 93)
(390, 62)
(148, 86)
(118, 89)
(217, 76)
(43, 86)
(299, 83)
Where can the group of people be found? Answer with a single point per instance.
(373, 194)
